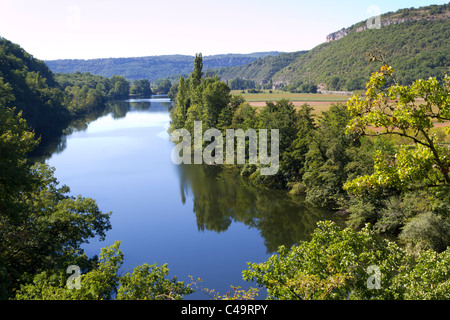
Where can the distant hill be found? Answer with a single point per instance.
(151, 67)
(416, 43)
(261, 70)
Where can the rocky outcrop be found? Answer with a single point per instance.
(337, 35)
(373, 23)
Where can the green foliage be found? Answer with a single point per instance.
(280, 115)
(197, 74)
(343, 264)
(103, 282)
(426, 278)
(298, 86)
(33, 90)
(244, 117)
(48, 228)
(142, 88)
(260, 71)
(120, 88)
(199, 99)
(235, 294)
(214, 98)
(427, 231)
(312, 154)
(173, 91)
(42, 226)
(418, 48)
(49, 102)
(404, 195)
(163, 87)
(241, 84)
(399, 110)
(333, 265)
(152, 68)
(16, 142)
(148, 282)
(328, 158)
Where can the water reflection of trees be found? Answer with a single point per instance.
(220, 197)
(117, 109)
(58, 144)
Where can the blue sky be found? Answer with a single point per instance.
(84, 29)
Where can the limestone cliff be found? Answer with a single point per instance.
(401, 16)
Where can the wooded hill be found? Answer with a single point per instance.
(415, 42)
(49, 101)
(151, 67)
(261, 70)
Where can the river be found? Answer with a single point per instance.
(201, 220)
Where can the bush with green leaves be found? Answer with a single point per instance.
(146, 282)
(340, 264)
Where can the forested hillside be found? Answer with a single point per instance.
(414, 41)
(49, 101)
(32, 89)
(261, 70)
(151, 67)
(418, 49)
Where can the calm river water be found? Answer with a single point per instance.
(200, 220)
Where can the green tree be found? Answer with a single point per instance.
(141, 87)
(103, 282)
(181, 105)
(295, 157)
(327, 159)
(164, 86)
(225, 119)
(16, 142)
(196, 75)
(215, 97)
(408, 112)
(244, 117)
(235, 101)
(41, 225)
(120, 87)
(173, 91)
(404, 194)
(333, 265)
(280, 115)
(204, 101)
(342, 264)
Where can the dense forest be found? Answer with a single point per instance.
(261, 71)
(151, 67)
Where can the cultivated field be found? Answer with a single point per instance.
(318, 101)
